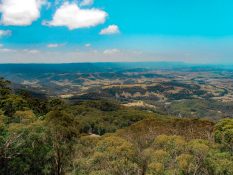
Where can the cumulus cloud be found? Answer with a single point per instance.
(5, 33)
(71, 16)
(87, 2)
(111, 51)
(20, 12)
(54, 45)
(110, 30)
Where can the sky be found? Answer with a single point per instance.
(62, 31)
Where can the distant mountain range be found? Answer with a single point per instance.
(102, 67)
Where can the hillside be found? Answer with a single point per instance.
(178, 89)
(116, 87)
(106, 138)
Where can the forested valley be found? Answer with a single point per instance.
(51, 136)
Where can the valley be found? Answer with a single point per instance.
(173, 89)
(115, 119)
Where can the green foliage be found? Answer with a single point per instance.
(22, 145)
(103, 105)
(142, 133)
(202, 108)
(55, 104)
(112, 155)
(98, 120)
(220, 162)
(38, 104)
(175, 155)
(52, 137)
(4, 88)
(224, 133)
(12, 103)
(63, 130)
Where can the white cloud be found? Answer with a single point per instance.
(18, 51)
(6, 50)
(110, 30)
(5, 33)
(20, 12)
(111, 51)
(54, 45)
(88, 45)
(71, 16)
(87, 2)
(31, 51)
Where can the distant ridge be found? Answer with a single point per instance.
(102, 67)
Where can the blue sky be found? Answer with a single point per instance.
(196, 31)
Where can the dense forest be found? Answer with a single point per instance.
(50, 136)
